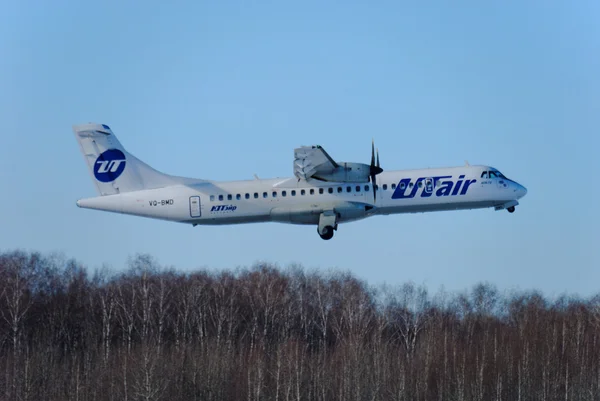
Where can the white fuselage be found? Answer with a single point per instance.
(289, 200)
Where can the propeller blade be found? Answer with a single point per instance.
(374, 189)
(372, 152)
(374, 169)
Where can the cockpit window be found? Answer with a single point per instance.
(492, 174)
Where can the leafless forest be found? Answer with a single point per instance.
(263, 333)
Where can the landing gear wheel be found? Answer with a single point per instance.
(327, 233)
(327, 224)
(511, 209)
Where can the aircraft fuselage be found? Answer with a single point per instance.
(289, 200)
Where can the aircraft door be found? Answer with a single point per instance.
(428, 185)
(195, 206)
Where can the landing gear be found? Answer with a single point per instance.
(327, 224)
(326, 233)
(510, 206)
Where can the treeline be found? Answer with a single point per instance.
(263, 333)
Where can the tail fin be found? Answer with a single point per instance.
(113, 169)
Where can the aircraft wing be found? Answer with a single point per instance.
(313, 161)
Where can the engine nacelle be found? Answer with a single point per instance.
(346, 172)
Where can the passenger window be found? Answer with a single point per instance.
(283, 193)
(312, 191)
(303, 192)
(293, 192)
(358, 188)
(339, 190)
(229, 197)
(402, 186)
(256, 195)
(247, 196)
(212, 198)
(384, 187)
(320, 191)
(410, 185)
(274, 194)
(265, 195)
(220, 197)
(367, 188)
(330, 190)
(393, 186)
(348, 189)
(238, 197)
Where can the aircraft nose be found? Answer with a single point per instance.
(521, 191)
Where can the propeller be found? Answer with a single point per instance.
(374, 169)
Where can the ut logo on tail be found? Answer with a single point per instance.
(109, 165)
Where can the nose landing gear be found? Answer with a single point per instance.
(510, 206)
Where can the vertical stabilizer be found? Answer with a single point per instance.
(113, 169)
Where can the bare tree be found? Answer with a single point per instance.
(17, 274)
(409, 312)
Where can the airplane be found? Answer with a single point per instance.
(323, 192)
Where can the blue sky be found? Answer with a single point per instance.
(223, 90)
